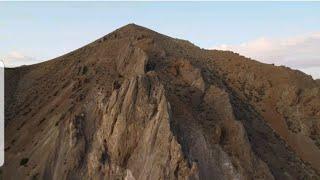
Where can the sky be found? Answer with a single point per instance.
(283, 33)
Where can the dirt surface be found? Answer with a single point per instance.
(136, 104)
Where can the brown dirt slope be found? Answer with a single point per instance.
(136, 104)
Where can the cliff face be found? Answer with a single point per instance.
(136, 104)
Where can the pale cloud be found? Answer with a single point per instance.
(300, 52)
(16, 58)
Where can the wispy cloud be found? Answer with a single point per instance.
(17, 58)
(299, 52)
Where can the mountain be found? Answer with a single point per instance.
(136, 104)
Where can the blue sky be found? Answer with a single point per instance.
(37, 31)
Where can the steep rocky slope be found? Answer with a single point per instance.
(136, 104)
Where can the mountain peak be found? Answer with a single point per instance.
(130, 30)
(133, 29)
(131, 26)
(137, 104)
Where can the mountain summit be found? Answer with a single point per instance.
(136, 104)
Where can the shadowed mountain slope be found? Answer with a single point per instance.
(136, 104)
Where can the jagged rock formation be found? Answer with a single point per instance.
(136, 104)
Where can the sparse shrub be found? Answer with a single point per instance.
(150, 66)
(24, 161)
(84, 70)
(56, 93)
(116, 85)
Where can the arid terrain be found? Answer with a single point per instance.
(137, 105)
